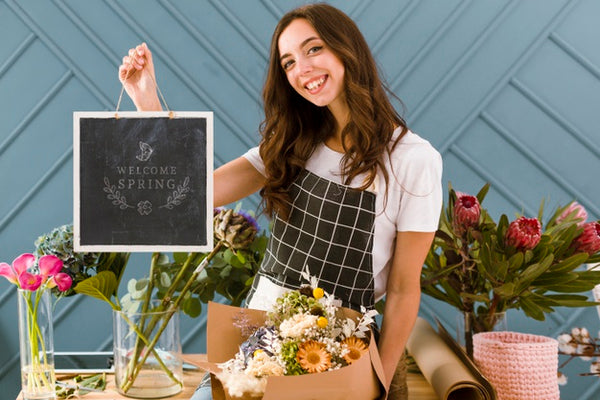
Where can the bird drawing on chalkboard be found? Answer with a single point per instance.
(145, 152)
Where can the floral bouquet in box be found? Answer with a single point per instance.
(306, 346)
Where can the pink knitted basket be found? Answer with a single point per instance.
(520, 366)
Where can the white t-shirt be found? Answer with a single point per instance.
(414, 196)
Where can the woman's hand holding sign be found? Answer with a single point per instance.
(136, 73)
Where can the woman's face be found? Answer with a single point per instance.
(312, 69)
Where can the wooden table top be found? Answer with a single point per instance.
(419, 388)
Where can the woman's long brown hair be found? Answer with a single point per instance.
(293, 126)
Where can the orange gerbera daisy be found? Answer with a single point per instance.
(313, 357)
(356, 348)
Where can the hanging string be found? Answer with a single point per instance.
(171, 115)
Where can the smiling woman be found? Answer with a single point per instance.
(354, 195)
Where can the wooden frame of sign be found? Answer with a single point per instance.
(143, 181)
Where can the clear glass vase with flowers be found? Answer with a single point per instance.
(34, 278)
(484, 268)
(182, 283)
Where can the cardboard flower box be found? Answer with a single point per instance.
(362, 380)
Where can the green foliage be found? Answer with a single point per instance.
(80, 266)
(477, 272)
(289, 349)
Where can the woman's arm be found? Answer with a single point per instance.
(235, 180)
(403, 297)
(232, 181)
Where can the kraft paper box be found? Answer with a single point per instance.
(361, 380)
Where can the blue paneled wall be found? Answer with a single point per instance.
(508, 91)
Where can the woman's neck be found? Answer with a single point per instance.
(341, 114)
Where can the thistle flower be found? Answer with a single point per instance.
(237, 230)
(466, 212)
(524, 233)
(589, 240)
(578, 212)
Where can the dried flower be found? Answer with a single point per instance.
(318, 293)
(356, 348)
(313, 357)
(236, 229)
(575, 210)
(566, 344)
(589, 240)
(524, 233)
(579, 344)
(561, 378)
(467, 211)
(297, 325)
(322, 322)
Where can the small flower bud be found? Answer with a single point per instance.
(578, 212)
(467, 211)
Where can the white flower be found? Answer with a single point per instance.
(562, 379)
(595, 367)
(313, 280)
(297, 325)
(566, 344)
(239, 384)
(264, 365)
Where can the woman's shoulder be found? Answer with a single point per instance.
(412, 148)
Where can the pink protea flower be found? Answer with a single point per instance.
(466, 212)
(589, 240)
(580, 213)
(524, 233)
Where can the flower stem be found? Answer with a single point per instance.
(141, 337)
(173, 308)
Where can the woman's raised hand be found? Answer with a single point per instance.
(136, 73)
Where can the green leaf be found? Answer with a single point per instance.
(483, 192)
(531, 309)
(165, 280)
(163, 259)
(100, 286)
(569, 264)
(533, 271)
(180, 257)
(552, 279)
(575, 286)
(131, 286)
(192, 307)
(506, 290)
(140, 285)
(240, 257)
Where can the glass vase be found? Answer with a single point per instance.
(147, 354)
(470, 323)
(36, 345)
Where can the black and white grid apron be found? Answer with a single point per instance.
(330, 230)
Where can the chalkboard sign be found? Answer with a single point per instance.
(143, 181)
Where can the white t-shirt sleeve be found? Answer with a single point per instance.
(253, 156)
(420, 186)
